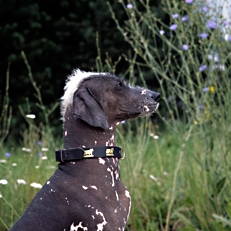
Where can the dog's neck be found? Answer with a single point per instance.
(77, 133)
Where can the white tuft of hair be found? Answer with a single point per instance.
(72, 84)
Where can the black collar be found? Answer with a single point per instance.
(63, 155)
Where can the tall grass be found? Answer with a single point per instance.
(190, 60)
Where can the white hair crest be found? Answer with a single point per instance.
(72, 84)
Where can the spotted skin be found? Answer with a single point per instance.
(88, 195)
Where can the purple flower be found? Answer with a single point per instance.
(203, 35)
(175, 16)
(7, 155)
(39, 143)
(184, 18)
(212, 24)
(40, 154)
(173, 27)
(185, 47)
(206, 89)
(188, 1)
(226, 23)
(202, 68)
(123, 122)
(204, 9)
(129, 6)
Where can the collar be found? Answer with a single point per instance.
(63, 155)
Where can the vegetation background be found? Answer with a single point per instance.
(178, 162)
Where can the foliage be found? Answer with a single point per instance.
(190, 59)
(6, 113)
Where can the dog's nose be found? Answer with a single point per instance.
(156, 96)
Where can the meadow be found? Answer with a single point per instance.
(177, 168)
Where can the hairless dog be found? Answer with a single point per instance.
(86, 192)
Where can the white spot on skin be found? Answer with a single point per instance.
(146, 108)
(75, 228)
(117, 196)
(101, 161)
(65, 133)
(84, 187)
(143, 92)
(100, 225)
(94, 187)
(112, 177)
(127, 194)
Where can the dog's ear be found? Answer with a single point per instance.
(88, 109)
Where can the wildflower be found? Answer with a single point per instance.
(39, 143)
(14, 164)
(202, 68)
(123, 122)
(21, 181)
(2, 161)
(44, 149)
(36, 185)
(7, 155)
(173, 27)
(211, 89)
(206, 89)
(162, 32)
(203, 35)
(175, 16)
(40, 154)
(36, 166)
(185, 47)
(184, 18)
(154, 136)
(26, 149)
(226, 23)
(3, 182)
(0, 195)
(31, 116)
(129, 6)
(201, 106)
(228, 37)
(188, 1)
(44, 158)
(204, 9)
(212, 24)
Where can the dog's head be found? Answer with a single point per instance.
(101, 99)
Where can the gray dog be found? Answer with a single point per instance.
(85, 192)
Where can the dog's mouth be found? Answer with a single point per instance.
(150, 108)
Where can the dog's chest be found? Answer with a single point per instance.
(96, 196)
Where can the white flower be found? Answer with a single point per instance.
(21, 181)
(36, 185)
(44, 149)
(14, 164)
(2, 161)
(26, 149)
(44, 158)
(31, 116)
(162, 32)
(37, 166)
(3, 181)
(0, 195)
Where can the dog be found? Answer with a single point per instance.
(86, 192)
